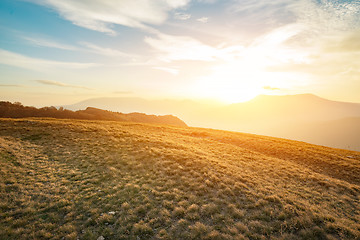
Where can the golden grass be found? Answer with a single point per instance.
(66, 179)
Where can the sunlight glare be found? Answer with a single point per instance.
(248, 74)
(231, 83)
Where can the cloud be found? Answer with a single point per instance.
(59, 84)
(18, 60)
(10, 85)
(319, 40)
(49, 43)
(324, 64)
(173, 71)
(264, 14)
(207, 1)
(123, 92)
(328, 16)
(328, 36)
(203, 19)
(105, 51)
(175, 48)
(89, 47)
(329, 60)
(315, 17)
(100, 15)
(271, 88)
(182, 16)
(350, 43)
(347, 42)
(178, 48)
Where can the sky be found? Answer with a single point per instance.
(57, 52)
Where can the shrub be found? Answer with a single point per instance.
(208, 210)
(198, 230)
(142, 229)
(178, 212)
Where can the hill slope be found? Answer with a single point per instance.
(86, 179)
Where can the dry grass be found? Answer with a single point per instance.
(65, 179)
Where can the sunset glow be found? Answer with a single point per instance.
(229, 51)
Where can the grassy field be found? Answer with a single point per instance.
(66, 179)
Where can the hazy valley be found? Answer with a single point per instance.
(303, 117)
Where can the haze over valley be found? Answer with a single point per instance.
(303, 117)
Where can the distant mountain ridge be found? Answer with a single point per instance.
(305, 106)
(17, 110)
(133, 104)
(282, 111)
(297, 117)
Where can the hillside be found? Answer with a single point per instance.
(17, 110)
(77, 179)
(291, 116)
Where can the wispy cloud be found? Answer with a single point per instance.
(59, 84)
(271, 88)
(317, 38)
(86, 47)
(346, 43)
(327, 36)
(316, 18)
(49, 43)
(123, 92)
(328, 16)
(265, 14)
(99, 15)
(177, 48)
(174, 48)
(10, 85)
(18, 60)
(208, 1)
(173, 71)
(182, 16)
(203, 19)
(105, 51)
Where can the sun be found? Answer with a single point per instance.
(232, 83)
(233, 91)
(243, 80)
(253, 71)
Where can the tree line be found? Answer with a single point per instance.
(17, 110)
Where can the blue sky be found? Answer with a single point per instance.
(56, 52)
